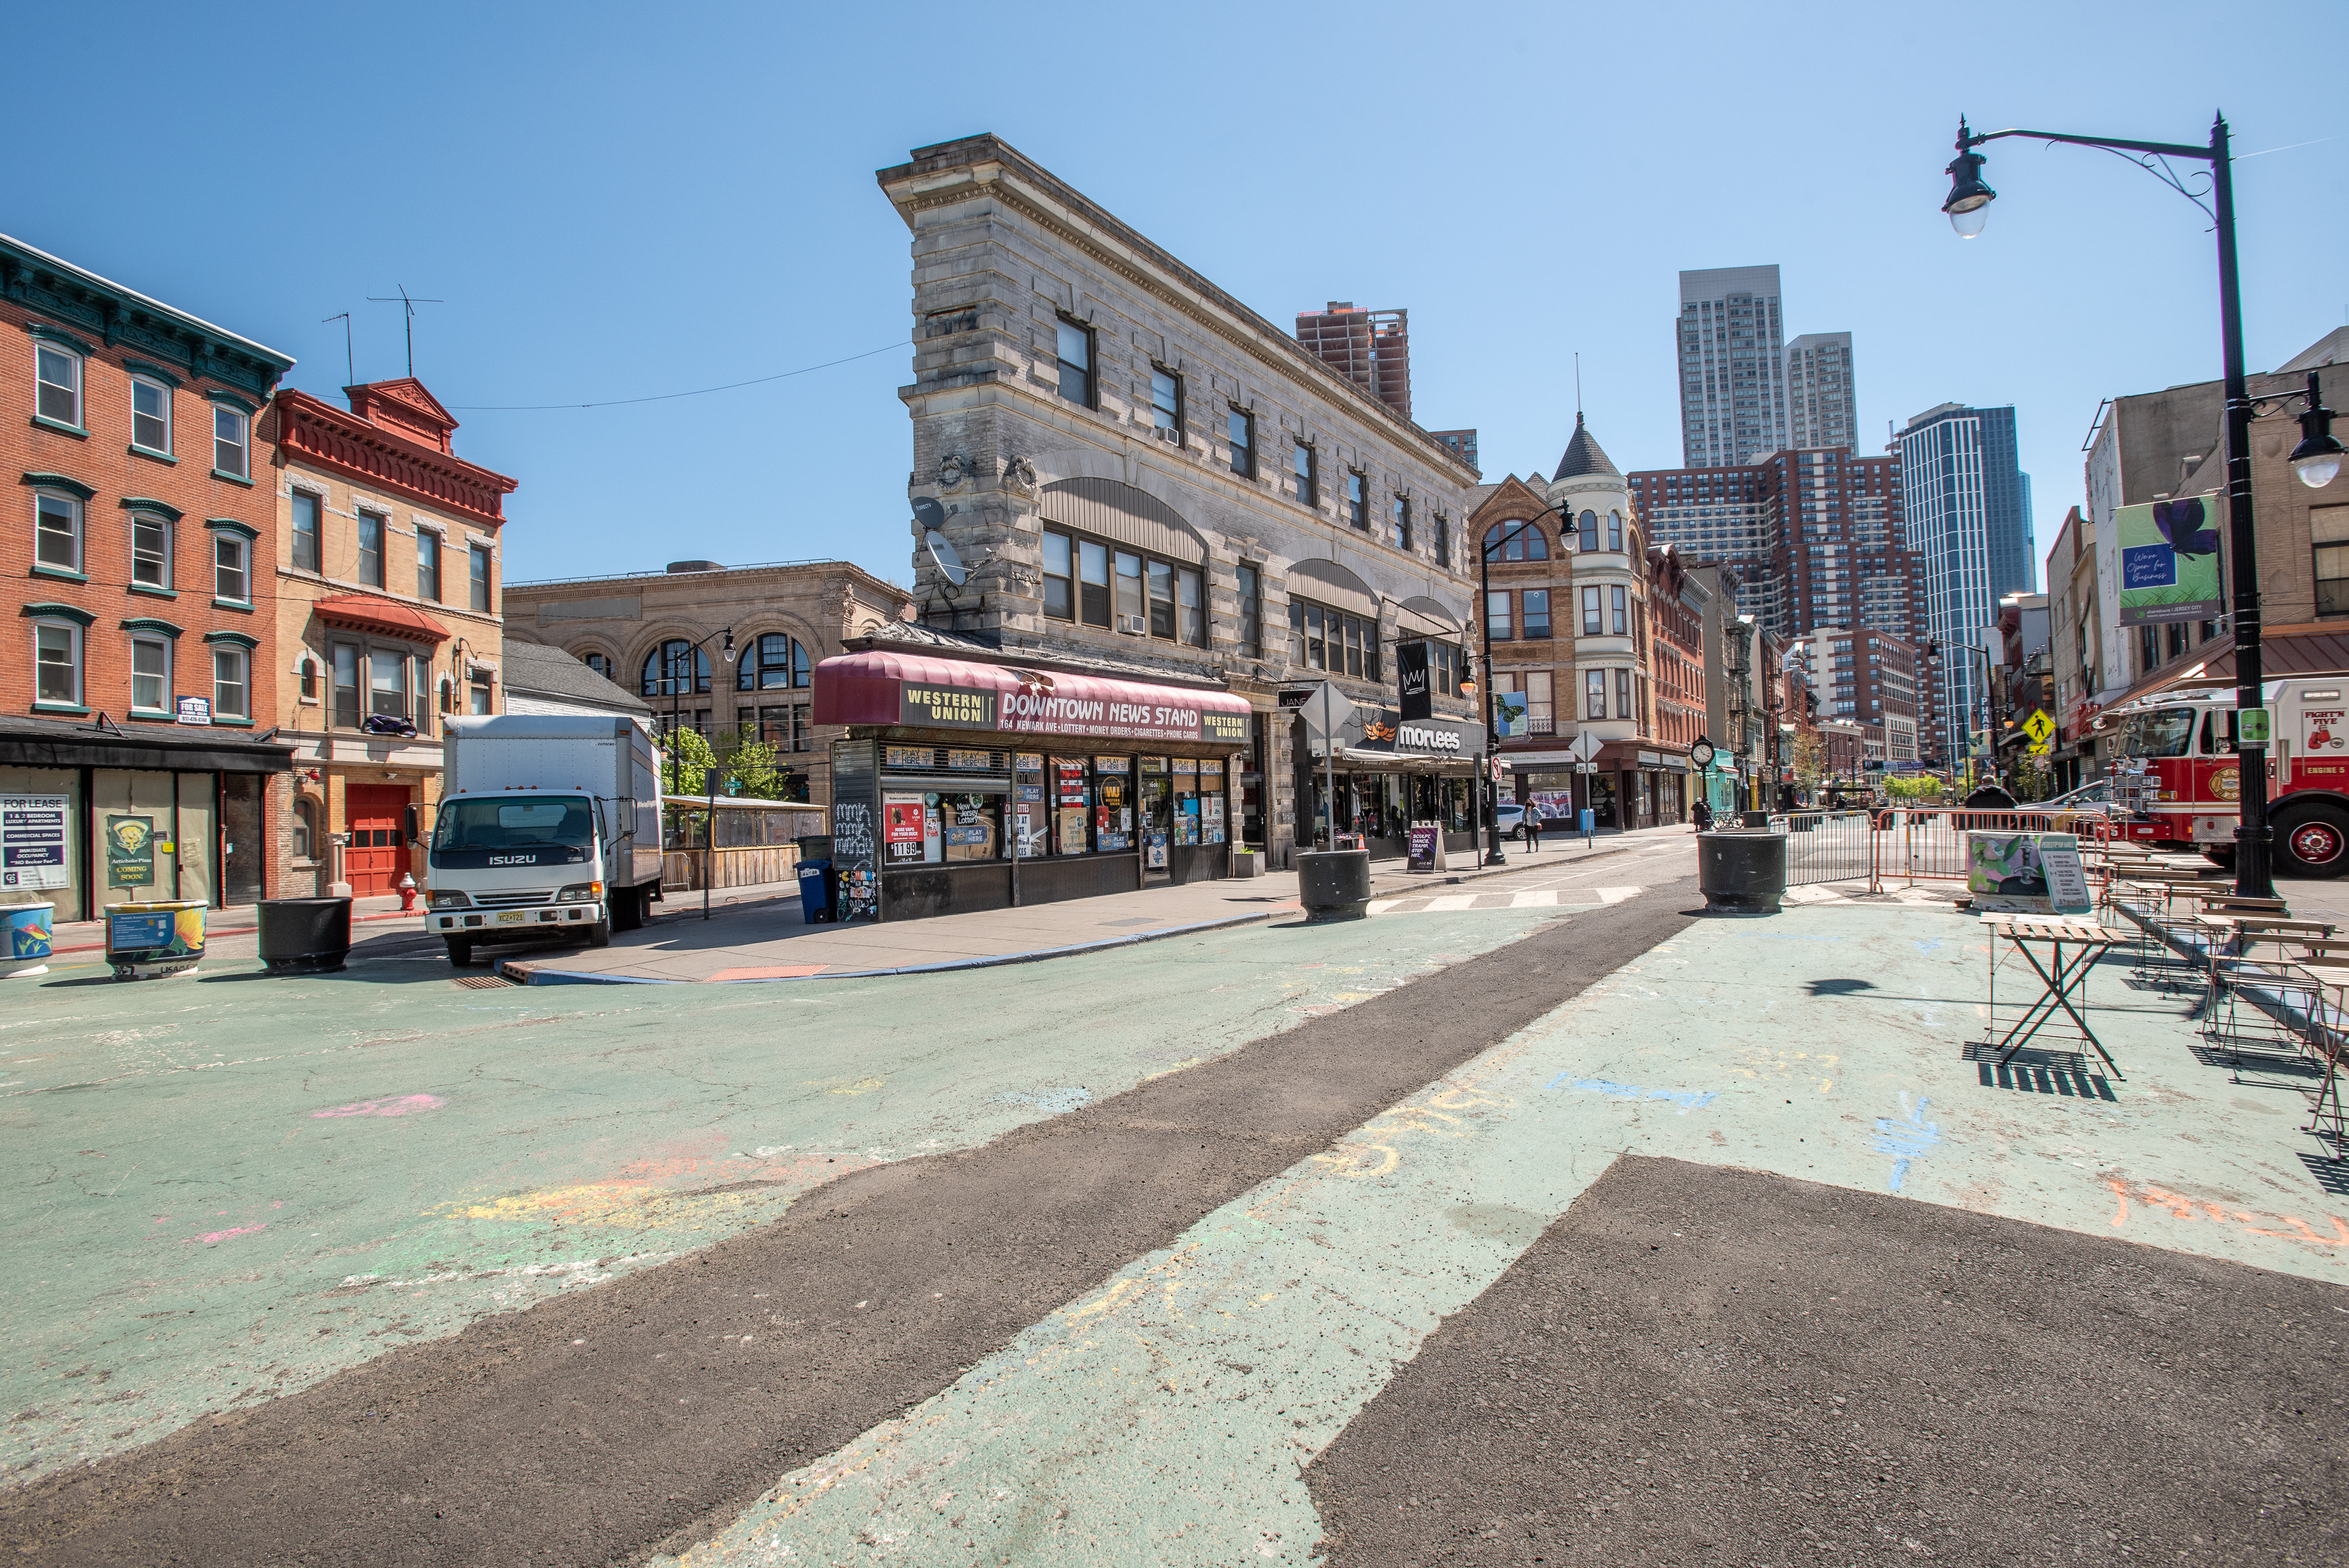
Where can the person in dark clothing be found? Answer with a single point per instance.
(1532, 828)
(1991, 796)
(1700, 814)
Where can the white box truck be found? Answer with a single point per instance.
(549, 829)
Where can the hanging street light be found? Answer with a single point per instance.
(2317, 459)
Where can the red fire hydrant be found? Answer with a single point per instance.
(407, 892)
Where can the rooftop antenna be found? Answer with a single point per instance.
(410, 304)
(1578, 386)
(349, 375)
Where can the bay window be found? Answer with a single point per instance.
(1594, 694)
(1591, 620)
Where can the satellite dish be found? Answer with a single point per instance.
(942, 552)
(929, 515)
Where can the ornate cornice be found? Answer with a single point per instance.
(312, 431)
(122, 318)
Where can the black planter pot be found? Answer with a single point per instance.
(1334, 884)
(305, 936)
(1741, 873)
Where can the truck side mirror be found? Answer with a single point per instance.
(415, 825)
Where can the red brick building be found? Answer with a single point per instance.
(131, 764)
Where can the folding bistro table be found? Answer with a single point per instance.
(2061, 979)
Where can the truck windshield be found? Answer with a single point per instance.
(2164, 732)
(563, 819)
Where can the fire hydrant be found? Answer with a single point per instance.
(407, 892)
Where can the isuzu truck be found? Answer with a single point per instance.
(549, 829)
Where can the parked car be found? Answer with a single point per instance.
(1510, 817)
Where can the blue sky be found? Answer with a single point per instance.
(620, 202)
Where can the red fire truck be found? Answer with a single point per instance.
(2178, 786)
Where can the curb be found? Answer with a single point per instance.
(210, 932)
(531, 974)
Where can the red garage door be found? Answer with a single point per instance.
(377, 855)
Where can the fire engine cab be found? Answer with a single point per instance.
(2180, 788)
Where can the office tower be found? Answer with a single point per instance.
(1732, 357)
(1820, 410)
(1370, 348)
(1963, 496)
(1461, 444)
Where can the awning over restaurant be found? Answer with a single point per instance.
(2317, 648)
(882, 687)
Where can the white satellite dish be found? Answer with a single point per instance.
(948, 561)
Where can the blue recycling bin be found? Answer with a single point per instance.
(815, 890)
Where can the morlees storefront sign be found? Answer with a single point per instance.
(887, 688)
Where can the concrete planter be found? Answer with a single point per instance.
(1334, 884)
(1741, 873)
(305, 936)
(1247, 863)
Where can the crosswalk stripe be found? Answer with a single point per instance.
(1617, 895)
(1453, 901)
(1534, 899)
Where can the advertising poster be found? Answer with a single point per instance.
(1413, 694)
(1114, 815)
(1073, 829)
(1426, 850)
(1153, 853)
(1211, 818)
(1510, 715)
(129, 851)
(2169, 559)
(900, 827)
(33, 841)
(2321, 734)
(2026, 873)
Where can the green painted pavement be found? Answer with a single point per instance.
(1166, 1417)
(225, 1187)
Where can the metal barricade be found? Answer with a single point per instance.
(1929, 844)
(1826, 846)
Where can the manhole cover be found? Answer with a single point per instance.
(483, 981)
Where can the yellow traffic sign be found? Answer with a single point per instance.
(2040, 728)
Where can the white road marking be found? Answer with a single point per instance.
(1451, 901)
(1534, 899)
(1617, 895)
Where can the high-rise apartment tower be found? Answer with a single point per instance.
(1966, 502)
(1370, 348)
(1820, 410)
(1733, 360)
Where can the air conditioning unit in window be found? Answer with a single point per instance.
(1133, 625)
(1175, 436)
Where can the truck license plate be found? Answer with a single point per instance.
(511, 918)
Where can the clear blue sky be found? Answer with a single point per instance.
(617, 201)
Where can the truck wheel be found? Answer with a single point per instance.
(599, 935)
(627, 909)
(2313, 841)
(2220, 855)
(461, 953)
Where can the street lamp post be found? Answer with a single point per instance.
(685, 661)
(2316, 460)
(1514, 528)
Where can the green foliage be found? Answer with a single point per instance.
(691, 758)
(753, 768)
(2032, 781)
(1920, 789)
(1810, 758)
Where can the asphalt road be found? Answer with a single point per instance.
(1700, 1365)
(608, 1423)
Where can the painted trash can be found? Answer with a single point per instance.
(31, 928)
(146, 942)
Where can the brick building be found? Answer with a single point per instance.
(387, 608)
(146, 669)
(640, 628)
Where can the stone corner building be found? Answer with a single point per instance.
(1139, 471)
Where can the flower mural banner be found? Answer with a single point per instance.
(2169, 559)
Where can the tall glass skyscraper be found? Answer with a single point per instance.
(1732, 356)
(1967, 504)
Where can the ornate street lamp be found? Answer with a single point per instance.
(1968, 206)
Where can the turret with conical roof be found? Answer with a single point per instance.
(1583, 456)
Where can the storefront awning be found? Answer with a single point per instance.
(2315, 647)
(885, 688)
(182, 748)
(365, 612)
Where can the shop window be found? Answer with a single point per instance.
(1251, 613)
(1059, 578)
(57, 532)
(151, 416)
(1305, 473)
(1239, 441)
(231, 579)
(480, 578)
(58, 374)
(150, 675)
(774, 662)
(428, 565)
(1167, 403)
(1591, 613)
(1537, 607)
(1358, 499)
(1497, 625)
(231, 692)
(1593, 693)
(57, 662)
(1402, 511)
(151, 550)
(371, 549)
(308, 510)
(1075, 350)
(347, 686)
(664, 672)
(1590, 540)
(229, 453)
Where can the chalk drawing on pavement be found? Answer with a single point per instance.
(1906, 1139)
(2161, 1198)
(403, 1105)
(1687, 1099)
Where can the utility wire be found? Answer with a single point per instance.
(665, 397)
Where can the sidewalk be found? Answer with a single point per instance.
(236, 920)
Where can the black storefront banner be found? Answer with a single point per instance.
(1438, 739)
(1411, 671)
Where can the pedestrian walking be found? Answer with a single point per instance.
(1701, 815)
(1533, 829)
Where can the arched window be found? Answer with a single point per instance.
(664, 672)
(447, 695)
(1615, 531)
(600, 663)
(1589, 531)
(773, 662)
(1515, 542)
(310, 678)
(305, 826)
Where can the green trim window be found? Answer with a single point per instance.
(309, 511)
(151, 550)
(57, 662)
(232, 681)
(371, 549)
(151, 674)
(1321, 638)
(232, 566)
(231, 454)
(1239, 433)
(1304, 464)
(1167, 403)
(1074, 351)
(57, 532)
(428, 565)
(151, 416)
(482, 581)
(57, 374)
